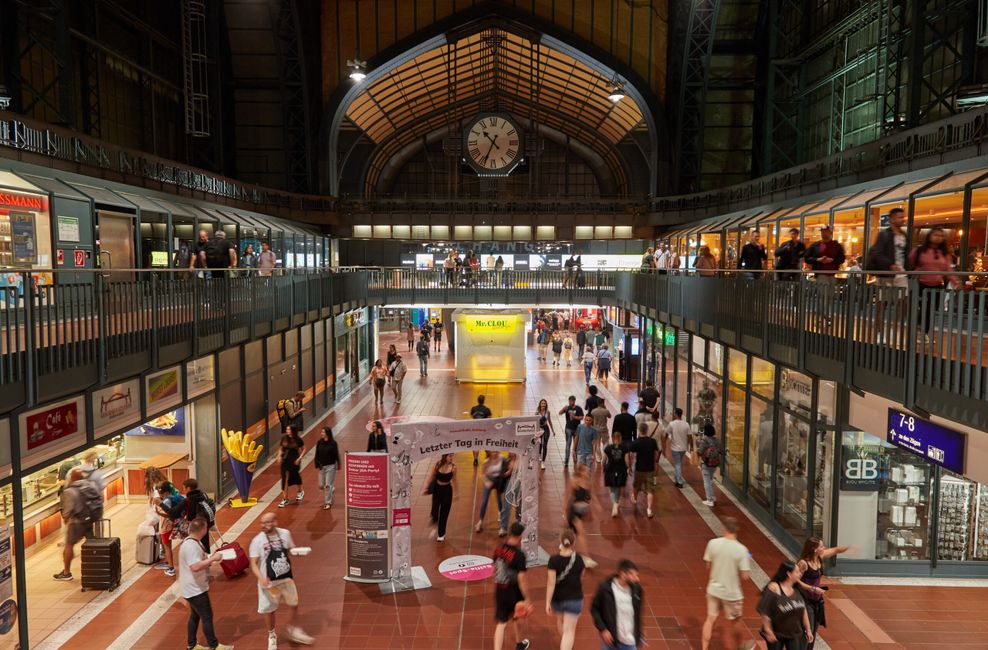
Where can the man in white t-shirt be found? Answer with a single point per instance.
(681, 442)
(728, 564)
(193, 581)
(271, 564)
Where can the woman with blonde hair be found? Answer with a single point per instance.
(564, 589)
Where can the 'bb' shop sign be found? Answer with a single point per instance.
(51, 425)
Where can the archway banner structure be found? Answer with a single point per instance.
(415, 440)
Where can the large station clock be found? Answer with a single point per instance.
(492, 144)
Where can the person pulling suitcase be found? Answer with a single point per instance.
(82, 508)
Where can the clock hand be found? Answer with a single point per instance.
(493, 141)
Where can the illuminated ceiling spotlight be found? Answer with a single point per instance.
(358, 69)
(615, 90)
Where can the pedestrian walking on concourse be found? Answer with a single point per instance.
(545, 425)
(379, 379)
(270, 554)
(327, 461)
(564, 589)
(422, 351)
(193, 582)
(440, 486)
(290, 452)
(617, 609)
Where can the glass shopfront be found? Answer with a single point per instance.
(354, 346)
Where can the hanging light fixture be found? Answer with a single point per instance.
(615, 90)
(358, 69)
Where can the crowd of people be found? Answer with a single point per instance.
(890, 256)
(627, 448)
(217, 256)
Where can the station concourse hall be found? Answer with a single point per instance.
(494, 324)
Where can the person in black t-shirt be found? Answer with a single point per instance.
(510, 585)
(650, 395)
(479, 412)
(625, 424)
(574, 416)
(646, 451)
(564, 589)
(220, 254)
(197, 257)
(593, 400)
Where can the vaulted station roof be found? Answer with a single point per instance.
(492, 70)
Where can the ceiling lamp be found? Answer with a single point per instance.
(358, 69)
(615, 90)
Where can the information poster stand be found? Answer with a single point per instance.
(368, 517)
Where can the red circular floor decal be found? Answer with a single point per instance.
(467, 567)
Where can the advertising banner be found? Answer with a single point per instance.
(163, 389)
(416, 440)
(6, 566)
(48, 426)
(116, 406)
(490, 345)
(367, 517)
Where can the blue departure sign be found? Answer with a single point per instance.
(933, 442)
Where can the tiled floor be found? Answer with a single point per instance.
(460, 615)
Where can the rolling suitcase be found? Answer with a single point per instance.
(101, 560)
(239, 564)
(148, 549)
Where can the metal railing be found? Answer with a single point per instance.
(61, 329)
(924, 347)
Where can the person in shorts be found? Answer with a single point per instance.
(646, 451)
(728, 564)
(510, 585)
(270, 562)
(564, 589)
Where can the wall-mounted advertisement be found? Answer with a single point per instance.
(200, 375)
(163, 389)
(115, 407)
(52, 429)
(166, 424)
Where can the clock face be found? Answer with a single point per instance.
(493, 144)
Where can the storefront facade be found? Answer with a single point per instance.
(356, 347)
(810, 458)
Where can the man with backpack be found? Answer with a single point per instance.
(422, 351)
(290, 412)
(82, 508)
(198, 505)
(710, 450)
(397, 371)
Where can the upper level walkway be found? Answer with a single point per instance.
(63, 332)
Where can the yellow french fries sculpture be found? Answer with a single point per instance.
(243, 453)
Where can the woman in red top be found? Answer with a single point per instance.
(933, 255)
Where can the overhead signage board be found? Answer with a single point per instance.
(939, 445)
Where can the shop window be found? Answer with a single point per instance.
(795, 392)
(715, 359)
(963, 519)
(887, 485)
(789, 223)
(944, 211)
(732, 248)
(823, 484)
(706, 399)
(811, 228)
(737, 367)
(715, 241)
(760, 430)
(734, 435)
(977, 261)
(849, 228)
(683, 372)
(826, 402)
(791, 464)
(763, 378)
(699, 350)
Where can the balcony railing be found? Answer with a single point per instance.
(64, 331)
